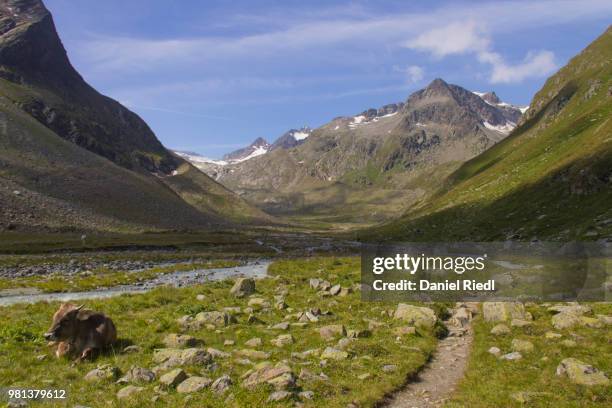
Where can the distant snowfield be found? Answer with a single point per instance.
(507, 128)
(196, 158)
(523, 109)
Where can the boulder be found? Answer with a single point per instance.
(128, 391)
(575, 309)
(174, 340)
(169, 357)
(569, 343)
(503, 311)
(280, 376)
(331, 331)
(281, 326)
(243, 287)
(305, 354)
(581, 373)
(591, 322)
(519, 323)
(193, 384)
(282, 340)
(358, 334)
(552, 335)
(522, 345)
(221, 384)
(254, 342)
(137, 375)
(334, 354)
(389, 368)
(564, 320)
(259, 303)
(173, 378)
(495, 351)
(217, 353)
(500, 330)
(254, 354)
(102, 372)
(335, 290)
(512, 356)
(280, 396)
(415, 315)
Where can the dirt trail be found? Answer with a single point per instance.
(435, 383)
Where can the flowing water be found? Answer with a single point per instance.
(176, 279)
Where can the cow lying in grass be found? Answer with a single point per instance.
(80, 332)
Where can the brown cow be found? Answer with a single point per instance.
(80, 332)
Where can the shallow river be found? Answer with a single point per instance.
(176, 279)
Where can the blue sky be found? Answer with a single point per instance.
(211, 76)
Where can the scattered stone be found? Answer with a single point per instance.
(41, 357)
(305, 354)
(331, 331)
(173, 378)
(252, 319)
(495, 351)
(334, 290)
(500, 330)
(334, 354)
(168, 357)
(132, 349)
(503, 311)
(415, 315)
(358, 334)
(201, 297)
(522, 345)
(193, 384)
(374, 324)
(217, 353)
(280, 305)
(202, 319)
(259, 303)
(564, 320)
(345, 292)
(137, 375)
(512, 356)
(279, 396)
(174, 340)
(552, 335)
(404, 330)
(232, 309)
(574, 309)
(306, 395)
(281, 326)
(364, 376)
(519, 323)
(229, 343)
(282, 340)
(389, 368)
(461, 317)
(221, 384)
(128, 391)
(243, 287)
(102, 372)
(581, 373)
(254, 354)
(254, 342)
(280, 376)
(344, 343)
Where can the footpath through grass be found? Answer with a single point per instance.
(532, 380)
(373, 366)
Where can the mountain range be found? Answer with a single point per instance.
(371, 165)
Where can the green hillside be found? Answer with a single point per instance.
(550, 179)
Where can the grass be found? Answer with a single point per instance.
(104, 277)
(490, 382)
(145, 319)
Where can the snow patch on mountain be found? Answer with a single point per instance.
(505, 129)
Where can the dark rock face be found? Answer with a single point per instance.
(241, 154)
(32, 54)
(291, 138)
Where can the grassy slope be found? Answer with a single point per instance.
(490, 382)
(145, 319)
(550, 178)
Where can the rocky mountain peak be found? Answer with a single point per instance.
(257, 148)
(491, 97)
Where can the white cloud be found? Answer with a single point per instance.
(414, 73)
(472, 38)
(308, 35)
(455, 38)
(535, 64)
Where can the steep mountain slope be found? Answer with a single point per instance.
(135, 182)
(550, 179)
(291, 138)
(371, 166)
(257, 148)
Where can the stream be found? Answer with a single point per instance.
(256, 269)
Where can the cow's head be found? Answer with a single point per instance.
(64, 323)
